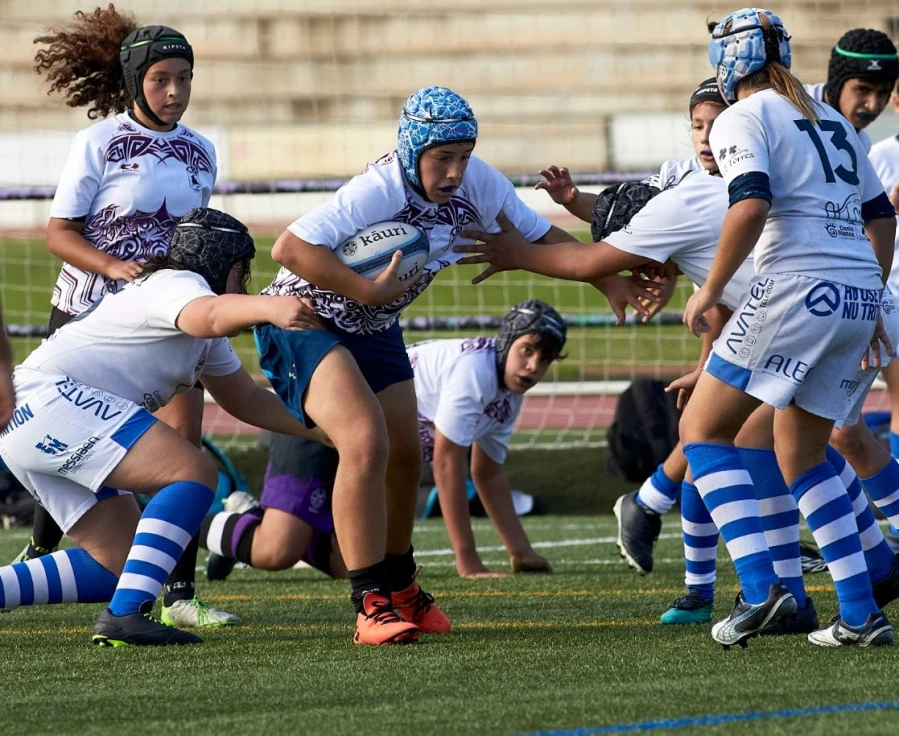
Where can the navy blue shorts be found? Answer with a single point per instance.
(289, 358)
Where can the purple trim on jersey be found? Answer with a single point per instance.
(306, 500)
(500, 410)
(478, 345)
(426, 433)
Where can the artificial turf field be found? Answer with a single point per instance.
(579, 652)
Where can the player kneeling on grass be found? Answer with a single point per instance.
(469, 394)
(82, 439)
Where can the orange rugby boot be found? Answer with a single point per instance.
(380, 624)
(417, 607)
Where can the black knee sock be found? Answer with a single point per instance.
(233, 538)
(318, 553)
(181, 583)
(367, 580)
(45, 533)
(400, 570)
(245, 545)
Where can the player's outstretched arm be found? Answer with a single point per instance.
(508, 250)
(495, 491)
(7, 392)
(230, 314)
(561, 188)
(238, 394)
(319, 266)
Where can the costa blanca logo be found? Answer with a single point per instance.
(51, 446)
(823, 300)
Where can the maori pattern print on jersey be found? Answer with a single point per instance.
(130, 143)
(139, 237)
(349, 315)
(126, 231)
(426, 434)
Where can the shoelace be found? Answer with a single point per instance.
(383, 613)
(689, 602)
(422, 603)
(150, 617)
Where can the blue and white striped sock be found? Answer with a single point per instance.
(780, 517)
(883, 488)
(658, 492)
(825, 504)
(167, 525)
(894, 445)
(878, 555)
(700, 541)
(66, 576)
(727, 491)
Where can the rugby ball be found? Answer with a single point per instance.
(369, 251)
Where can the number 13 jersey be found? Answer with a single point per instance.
(819, 176)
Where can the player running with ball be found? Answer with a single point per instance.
(434, 183)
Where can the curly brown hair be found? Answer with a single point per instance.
(82, 60)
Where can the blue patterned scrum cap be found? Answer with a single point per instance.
(432, 116)
(741, 46)
(531, 317)
(210, 243)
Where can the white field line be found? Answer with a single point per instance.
(541, 545)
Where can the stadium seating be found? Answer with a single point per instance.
(558, 71)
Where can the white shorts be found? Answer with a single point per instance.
(797, 339)
(64, 440)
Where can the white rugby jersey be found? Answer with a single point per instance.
(684, 224)
(127, 343)
(131, 184)
(673, 171)
(817, 93)
(380, 194)
(459, 393)
(884, 157)
(819, 178)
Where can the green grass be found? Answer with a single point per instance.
(28, 272)
(578, 649)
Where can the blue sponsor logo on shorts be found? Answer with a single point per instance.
(749, 317)
(849, 387)
(79, 456)
(823, 299)
(861, 304)
(790, 368)
(51, 446)
(86, 398)
(20, 415)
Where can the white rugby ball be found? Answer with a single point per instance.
(369, 251)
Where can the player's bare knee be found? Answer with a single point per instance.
(366, 451)
(848, 444)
